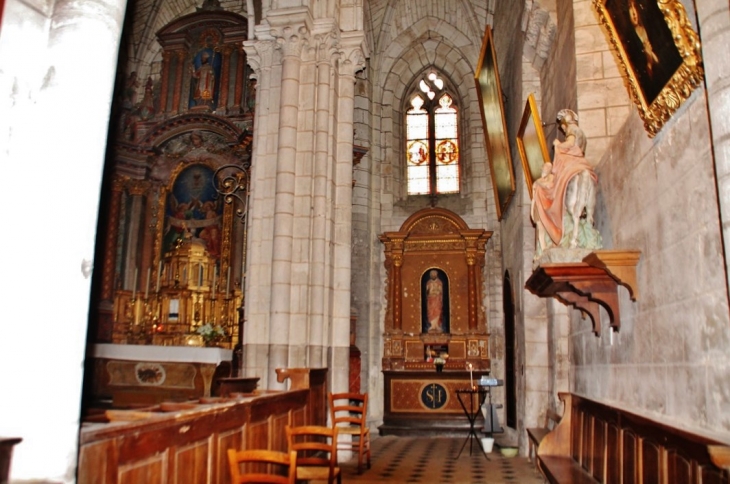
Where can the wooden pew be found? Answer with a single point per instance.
(536, 434)
(597, 443)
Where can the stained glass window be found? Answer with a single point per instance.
(432, 140)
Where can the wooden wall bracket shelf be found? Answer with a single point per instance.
(591, 283)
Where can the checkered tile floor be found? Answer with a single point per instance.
(434, 460)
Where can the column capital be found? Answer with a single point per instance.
(353, 51)
(259, 54)
(291, 40)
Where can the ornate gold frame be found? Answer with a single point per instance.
(531, 143)
(491, 105)
(680, 60)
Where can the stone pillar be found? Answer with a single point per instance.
(352, 59)
(262, 57)
(319, 247)
(300, 222)
(291, 43)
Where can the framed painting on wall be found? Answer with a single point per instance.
(658, 52)
(491, 105)
(531, 143)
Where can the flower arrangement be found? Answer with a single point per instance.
(439, 361)
(211, 334)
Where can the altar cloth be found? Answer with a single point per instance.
(181, 354)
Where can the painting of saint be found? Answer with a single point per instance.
(434, 301)
(193, 206)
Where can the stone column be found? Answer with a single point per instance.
(262, 57)
(291, 43)
(351, 60)
(319, 245)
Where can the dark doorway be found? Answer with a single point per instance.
(510, 380)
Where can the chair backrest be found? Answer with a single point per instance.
(348, 408)
(314, 445)
(262, 466)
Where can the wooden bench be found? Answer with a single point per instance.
(597, 443)
(536, 434)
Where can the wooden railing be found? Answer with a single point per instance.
(595, 442)
(187, 441)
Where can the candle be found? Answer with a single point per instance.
(228, 281)
(159, 275)
(147, 286)
(134, 285)
(471, 380)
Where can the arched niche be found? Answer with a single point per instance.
(435, 243)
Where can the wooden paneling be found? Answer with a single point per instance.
(188, 446)
(152, 470)
(191, 465)
(611, 445)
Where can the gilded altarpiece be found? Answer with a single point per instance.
(435, 312)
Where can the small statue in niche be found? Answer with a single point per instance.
(435, 310)
(564, 198)
(205, 73)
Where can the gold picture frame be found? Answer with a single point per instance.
(531, 143)
(491, 106)
(658, 52)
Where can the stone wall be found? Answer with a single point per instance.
(670, 358)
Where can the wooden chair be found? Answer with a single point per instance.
(315, 447)
(262, 466)
(348, 412)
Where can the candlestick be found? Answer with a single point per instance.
(147, 286)
(134, 285)
(159, 275)
(228, 282)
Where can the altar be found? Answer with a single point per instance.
(436, 339)
(133, 375)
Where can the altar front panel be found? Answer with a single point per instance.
(425, 402)
(132, 375)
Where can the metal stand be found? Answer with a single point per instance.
(472, 412)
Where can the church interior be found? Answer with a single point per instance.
(433, 203)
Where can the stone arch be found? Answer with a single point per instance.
(431, 49)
